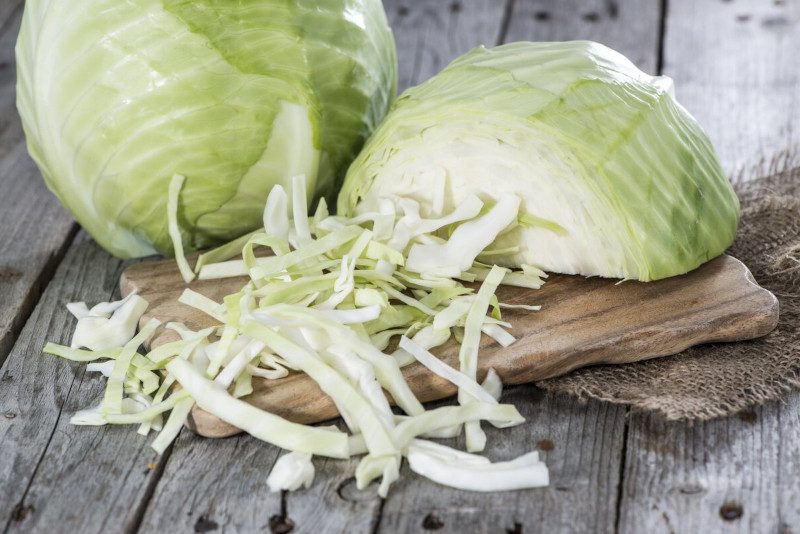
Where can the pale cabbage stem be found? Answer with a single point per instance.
(173, 194)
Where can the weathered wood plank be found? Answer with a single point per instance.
(728, 475)
(334, 504)
(740, 80)
(214, 485)
(718, 476)
(787, 420)
(628, 26)
(59, 477)
(431, 33)
(35, 228)
(222, 484)
(581, 445)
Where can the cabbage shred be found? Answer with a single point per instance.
(328, 300)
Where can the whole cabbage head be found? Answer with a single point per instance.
(615, 178)
(117, 96)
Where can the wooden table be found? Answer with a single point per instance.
(736, 65)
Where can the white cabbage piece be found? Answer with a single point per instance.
(107, 325)
(615, 178)
(291, 472)
(457, 469)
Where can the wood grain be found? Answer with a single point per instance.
(581, 445)
(59, 477)
(786, 417)
(741, 80)
(716, 476)
(583, 321)
(733, 474)
(431, 33)
(333, 503)
(36, 229)
(214, 485)
(628, 26)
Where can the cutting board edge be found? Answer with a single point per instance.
(763, 317)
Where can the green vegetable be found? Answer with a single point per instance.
(117, 97)
(327, 303)
(615, 178)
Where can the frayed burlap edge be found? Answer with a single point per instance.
(721, 379)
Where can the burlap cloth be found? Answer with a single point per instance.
(720, 379)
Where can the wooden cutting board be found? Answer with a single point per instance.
(583, 321)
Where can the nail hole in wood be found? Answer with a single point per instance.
(516, 530)
(204, 524)
(20, 512)
(455, 7)
(431, 522)
(545, 445)
(743, 18)
(541, 15)
(590, 17)
(280, 524)
(731, 511)
(402, 11)
(774, 22)
(613, 9)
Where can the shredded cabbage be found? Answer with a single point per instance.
(108, 324)
(457, 469)
(291, 472)
(173, 228)
(334, 296)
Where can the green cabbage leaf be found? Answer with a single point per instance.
(117, 97)
(615, 178)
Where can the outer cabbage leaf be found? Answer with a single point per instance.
(117, 97)
(616, 178)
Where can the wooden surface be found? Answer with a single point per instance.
(35, 228)
(583, 321)
(736, 68)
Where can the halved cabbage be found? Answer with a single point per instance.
(616, 178)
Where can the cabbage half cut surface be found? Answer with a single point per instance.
(117, 97)
(616, 179)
